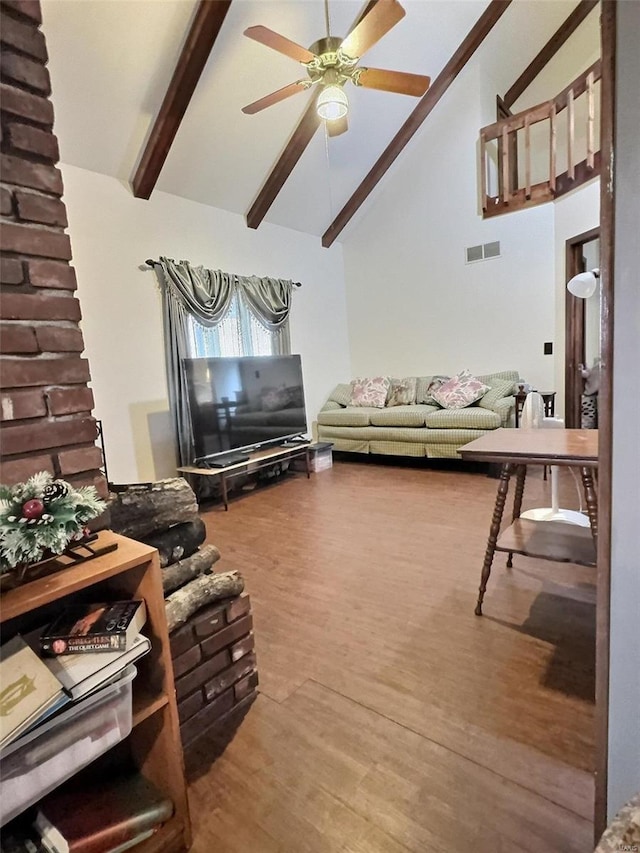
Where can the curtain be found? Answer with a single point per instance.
(176, 347)
(207, 296)
(269, 300)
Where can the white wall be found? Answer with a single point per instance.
(112, 233)
(624, 674)
(414, 305)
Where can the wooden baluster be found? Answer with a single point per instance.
(571, 169)
(527, 155)
(506, 194)
(483, 171)
(590, 122)
(552, 147)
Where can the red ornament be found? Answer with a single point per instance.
(33, 508)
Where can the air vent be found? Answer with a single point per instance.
(482, 253)
(474, 253)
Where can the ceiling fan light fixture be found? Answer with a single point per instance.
(332, 103)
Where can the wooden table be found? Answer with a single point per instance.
(548, 540)
(257, 459)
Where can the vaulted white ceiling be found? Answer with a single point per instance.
(111, 62)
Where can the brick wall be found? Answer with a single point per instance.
(214, 666)
(45, 403)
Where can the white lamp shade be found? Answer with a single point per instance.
(332, 103)
(584, 284)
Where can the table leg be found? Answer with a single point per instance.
(494, 530)
(307, 454)
(517, 503)
(223, 481)
(592, 501)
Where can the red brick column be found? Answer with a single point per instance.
(45, 404)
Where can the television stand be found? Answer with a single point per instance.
(256, 460)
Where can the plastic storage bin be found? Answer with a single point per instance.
(37, 763)
(322, 459)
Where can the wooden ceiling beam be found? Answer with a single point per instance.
(564, 31)
(293, 150)
(206, 25)
(454, 66)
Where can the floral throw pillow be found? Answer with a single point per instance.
(370, 392)
(460, 391)
(402, 392)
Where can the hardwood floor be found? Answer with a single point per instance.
(391, 718)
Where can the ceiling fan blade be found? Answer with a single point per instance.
(337, 126)
(375, 24)
(277, 42)
(394, 81)
(275, 97)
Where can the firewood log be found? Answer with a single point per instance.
(179, 541)
(142, 509)
(177, 574)
(197, 593)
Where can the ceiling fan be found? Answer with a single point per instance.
(331, 61)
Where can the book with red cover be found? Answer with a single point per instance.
(106, 627)
(101, 818)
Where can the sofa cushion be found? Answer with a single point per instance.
(498, 389)
(469, 418)
(402, 416)
(410, 435)
(351, 416)
(460, 391)
(341, 394)
(402, 392)
(369, 391)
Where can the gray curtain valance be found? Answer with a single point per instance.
(207, 294)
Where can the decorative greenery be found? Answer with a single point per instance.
(40, 518)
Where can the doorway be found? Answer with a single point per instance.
(582, 324)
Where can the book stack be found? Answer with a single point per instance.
(88, 646)
(75, 819)
(84, 649)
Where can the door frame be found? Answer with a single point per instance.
(608, 18)
(574, 326)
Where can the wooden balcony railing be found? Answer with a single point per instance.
(520, 170)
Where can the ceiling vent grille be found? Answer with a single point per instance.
(483, 252)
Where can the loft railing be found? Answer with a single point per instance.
(522, 155)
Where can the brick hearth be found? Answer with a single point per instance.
(214, 666)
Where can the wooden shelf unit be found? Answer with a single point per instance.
(131, 571)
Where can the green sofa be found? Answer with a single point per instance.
(417, 429)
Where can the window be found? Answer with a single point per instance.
(238, 334)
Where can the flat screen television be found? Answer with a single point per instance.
(243, 403)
